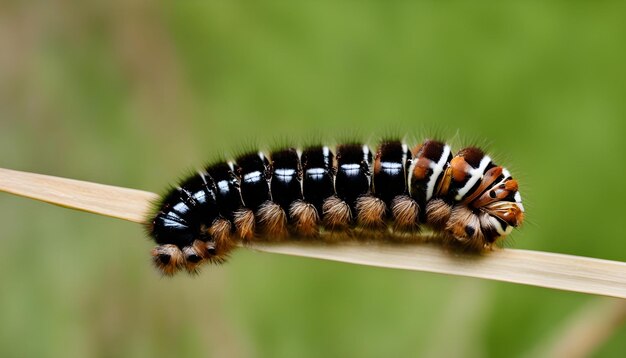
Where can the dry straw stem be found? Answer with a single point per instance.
(564, 272)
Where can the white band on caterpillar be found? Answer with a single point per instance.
(476, 174)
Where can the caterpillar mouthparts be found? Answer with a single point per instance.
(466, 199)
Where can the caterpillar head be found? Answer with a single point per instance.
(487, 205)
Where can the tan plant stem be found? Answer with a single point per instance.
(558, 271)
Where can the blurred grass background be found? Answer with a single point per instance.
(135, 94)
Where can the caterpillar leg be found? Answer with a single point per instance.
(168, 259)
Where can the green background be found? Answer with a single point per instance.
(136, 94)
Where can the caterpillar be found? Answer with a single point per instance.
(466, 199)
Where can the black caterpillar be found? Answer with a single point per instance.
(466, 199)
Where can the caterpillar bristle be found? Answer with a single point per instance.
(305, 219)
(405, 213)
(371, 212)
(272, 221)
(438, 213)
(392, 193)
(244, 222)
(336, 213)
